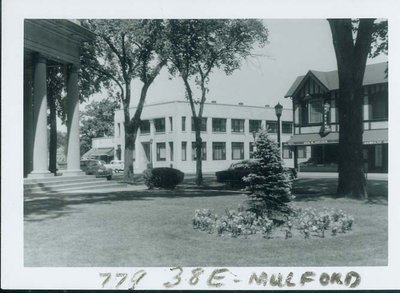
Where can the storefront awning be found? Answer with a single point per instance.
(375, 136)
(99, 152)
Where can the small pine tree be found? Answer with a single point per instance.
(269, 185)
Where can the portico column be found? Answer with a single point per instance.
(28, 117)
(40, 147)
(73, 155)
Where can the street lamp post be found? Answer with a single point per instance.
(278, 112)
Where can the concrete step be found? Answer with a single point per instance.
(61, 182)
(99, 187)
(29, 184)
(57, 179)
(93, 186)
(61, 185)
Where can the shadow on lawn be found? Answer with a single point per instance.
(311, 189)
(37, 208)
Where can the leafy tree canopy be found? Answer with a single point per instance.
(97, 120)
(197, 46)
(123, 50)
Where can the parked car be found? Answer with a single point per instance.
(236, 171)
(116, 165)
(96, 167)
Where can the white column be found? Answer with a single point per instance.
(40, 147)
(228, 125)
(28, 118)
(73, 155)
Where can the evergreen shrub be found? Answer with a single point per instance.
(162, 177)
(269, 186)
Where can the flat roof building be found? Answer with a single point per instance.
(166, 136)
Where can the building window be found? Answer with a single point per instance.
(219, 151)
(144, 126)
(237, 125)
(316, 109)
(171, 151)
(171, 124)
(311, 112)
(287, 127)
(119, 129)
(379, 106)
(183, 123)
(219, 125)
(159, 124)
(161, 153)
(378, 155)
(271, 126)
(237, 150)
(286, 152)
(203, 126)
(304, 113)
(203, 151)
(254, 125)
(301, 152)
(251, 150)
(184, 143)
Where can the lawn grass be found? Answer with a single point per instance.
(153, 228)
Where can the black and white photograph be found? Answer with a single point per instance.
(164, 150)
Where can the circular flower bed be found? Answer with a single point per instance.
(304, 223)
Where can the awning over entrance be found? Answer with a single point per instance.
(375, 136)
(99, 152)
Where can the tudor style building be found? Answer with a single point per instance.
(316, 125)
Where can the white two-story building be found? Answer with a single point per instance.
(166, 137)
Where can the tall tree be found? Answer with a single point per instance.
(97, 120)
(122, 51)
(352, 41)
(196, 47)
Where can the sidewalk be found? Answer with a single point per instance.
(370, 176)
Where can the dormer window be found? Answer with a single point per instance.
(311, 112)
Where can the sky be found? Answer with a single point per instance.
(295, 46)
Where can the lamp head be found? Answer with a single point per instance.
(278, 110)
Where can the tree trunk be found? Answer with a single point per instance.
(351, 61)
(199, 147)
(352, 181)
(130, 136)
(197, 128)
(131, 127)
(53, 134)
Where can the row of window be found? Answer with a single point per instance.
(218, 151)
(218, 125)
(311, 112)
